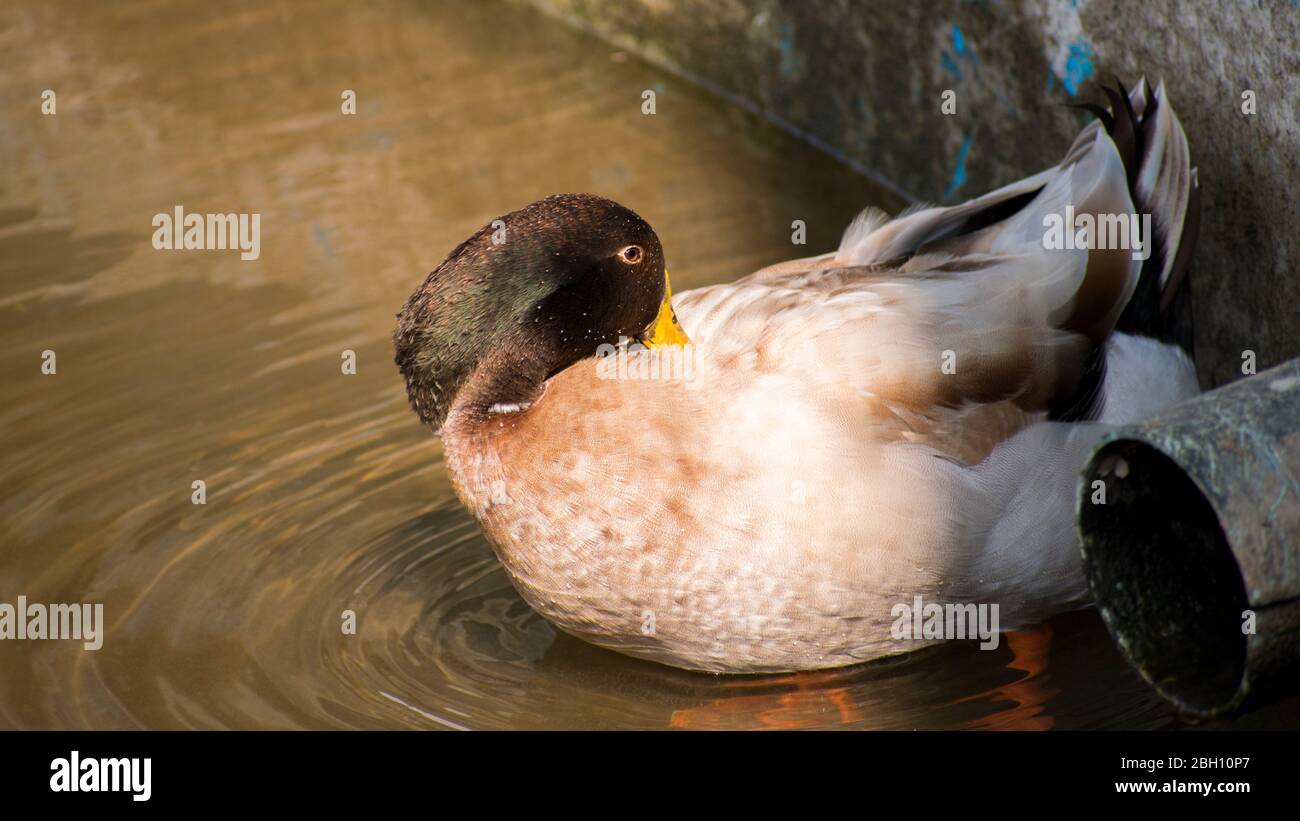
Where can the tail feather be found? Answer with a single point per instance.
(1132, 159)
(1168, 188)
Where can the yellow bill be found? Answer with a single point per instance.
(666, 330)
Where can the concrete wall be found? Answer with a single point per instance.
(865, 79)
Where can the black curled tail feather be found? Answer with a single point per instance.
(1152, 145)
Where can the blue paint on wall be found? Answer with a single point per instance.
(959, 174)
(1078, 67)
(962, 51)
(791, 60)
(958, 41)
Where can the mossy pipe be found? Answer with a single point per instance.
(1190, 527)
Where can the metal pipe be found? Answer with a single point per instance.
(1190, 526)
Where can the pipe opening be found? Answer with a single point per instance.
(1164, 577)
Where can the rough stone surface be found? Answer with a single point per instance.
(864, 79)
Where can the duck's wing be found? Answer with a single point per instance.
(970, 304)
(925, 331)
(954, 353)
(1153, 177)
(958, 323)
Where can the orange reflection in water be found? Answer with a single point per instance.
(831, 698)
(809, 705)
(1029, 651)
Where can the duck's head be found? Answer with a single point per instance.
(525, 297)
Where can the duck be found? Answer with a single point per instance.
(901, 420)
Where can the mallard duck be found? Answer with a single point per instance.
(903, 417)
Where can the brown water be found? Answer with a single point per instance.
(323, 492)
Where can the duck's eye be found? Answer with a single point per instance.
(631, 254)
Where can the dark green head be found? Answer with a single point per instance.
(524, 298)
